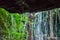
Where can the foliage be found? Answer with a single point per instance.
(12, 26)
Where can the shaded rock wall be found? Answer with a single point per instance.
(29, 5)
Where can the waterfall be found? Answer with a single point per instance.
(41, 25)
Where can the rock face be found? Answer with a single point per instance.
(29, 5)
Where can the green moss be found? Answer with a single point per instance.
(12, 25)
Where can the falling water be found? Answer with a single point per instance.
(41, 25)
(37, 26)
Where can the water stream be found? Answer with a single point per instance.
(41, 27)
